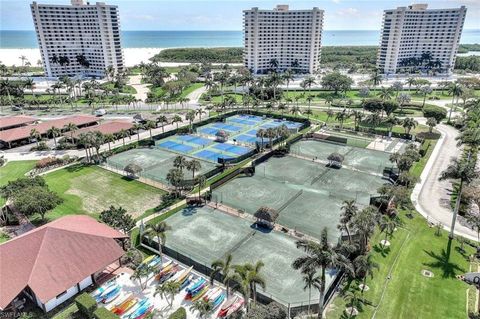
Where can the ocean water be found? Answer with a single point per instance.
(173, 39)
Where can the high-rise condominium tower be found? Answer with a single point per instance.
(78, 39)
(282, 39)
(414, 37)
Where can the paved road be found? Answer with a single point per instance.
(431, 196)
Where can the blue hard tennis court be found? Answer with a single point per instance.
(194, 139)
(238, 150)
(211, 155)
(227, 127)
(174, 146)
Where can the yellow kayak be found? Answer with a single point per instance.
(125, 306)
(147, 260)
(200, 293)
(114, 305)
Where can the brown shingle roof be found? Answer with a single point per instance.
(20, 133)
(10, 121)
(111, 127)
(56, 256)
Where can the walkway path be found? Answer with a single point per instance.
(142, 89)
(430, 196)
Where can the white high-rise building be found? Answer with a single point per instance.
(78, 39)
(408, 33)
(287, 39)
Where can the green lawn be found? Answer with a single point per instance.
(91, 189)
(408, 294)
(189, 89)
(126, 88)
(12, 171)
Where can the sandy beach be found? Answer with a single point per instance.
(132, 56)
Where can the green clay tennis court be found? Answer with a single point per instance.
(365, 160)
(155, 162)
(205, 235)
(307, 194)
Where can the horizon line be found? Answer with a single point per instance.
(469, 29)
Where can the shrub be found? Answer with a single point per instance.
(102, 313)
(48, 161)
(180, 313)
(438, 113)
(42, 146)
(86, 305)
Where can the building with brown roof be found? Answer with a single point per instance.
(9, 122)
(111, 127)
(16, 135)
(52, 263)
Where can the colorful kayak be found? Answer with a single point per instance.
(137, 306)
(147, 260)
(106, 292)
(165, 270)
(218, 301)
(235, 307)
(169, 274)
(181, 275)
(211, 293)
(139, 311)
(104, 287)
(118, 303)
(200, 282)
(155, 262)
(149, 310)
(199, 294)
(125, 306)
(187, 282)
(229, 303)
(114, 294)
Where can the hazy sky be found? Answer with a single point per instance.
(227, 14)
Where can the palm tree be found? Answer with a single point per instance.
(431, 122)
(179, 162)
(463, 170)
(223, 267)
(287, 77)
(403, 99)
(455, 90)
(70, 127)
(311, 280)
(425, 90)
(352, 299)
(319, 256)
(271, 134)
(34, 134)
(109, 138)
(357, 118)
(140, 273)
(341, 117)
(364, 224)
(261, 133)
(247, 277)
(175, 178)
(364, 266)
(162, 119)
(137, 127)
(349, 210)
(391, 121)
(408, 123)
(204, 307)
(122, 134)
(54, 133)
(376, 78)
(159, 230)
(410, 82)
(193, 166)
(168, 290)
(176, 119)
(387, 226)
(385, 93)
(150, 125)
(199, 112)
